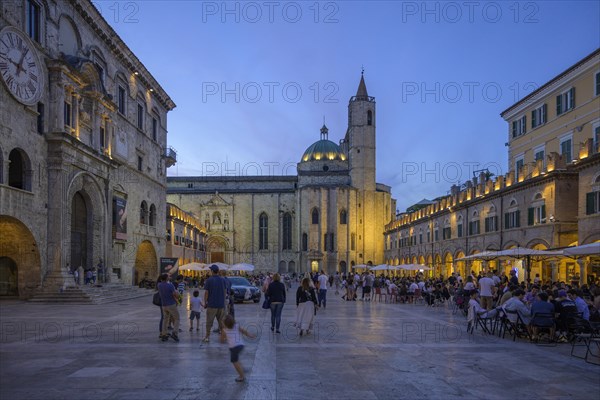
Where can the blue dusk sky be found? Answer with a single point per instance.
(253, 81)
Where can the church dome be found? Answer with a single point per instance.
(323, 149)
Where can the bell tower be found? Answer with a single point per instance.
(361, 137)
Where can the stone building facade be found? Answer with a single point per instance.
(83, 149)
(549, 199)
(330, 216)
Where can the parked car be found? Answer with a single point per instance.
(243, 290)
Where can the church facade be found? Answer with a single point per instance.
(330, 216)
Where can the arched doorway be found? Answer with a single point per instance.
(292, 266)
(216, 248)
(9, 279)
(282, 267)
(20, 267)
(80, 256)
(146, 263)
(343, 267)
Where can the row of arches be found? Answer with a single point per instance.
(147, 216)
(20, 171)
(315, 216)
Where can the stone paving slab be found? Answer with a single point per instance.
(358, 350)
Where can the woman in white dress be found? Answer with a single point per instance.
(306, 301)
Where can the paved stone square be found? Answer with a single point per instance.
(359, 350)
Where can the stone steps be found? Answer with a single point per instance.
(107, 293)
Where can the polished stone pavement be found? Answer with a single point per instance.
(358, 350)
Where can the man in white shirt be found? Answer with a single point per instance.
(323, 280)
(486, 291)
(496, 279)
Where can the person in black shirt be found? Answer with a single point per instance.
(276, 294)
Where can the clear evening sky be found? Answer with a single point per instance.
(253, 80)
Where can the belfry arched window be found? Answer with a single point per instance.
(369, 117)
(315, 216)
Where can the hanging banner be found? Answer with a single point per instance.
(168, 265)
(119, 218)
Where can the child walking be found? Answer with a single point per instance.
(195, 307)
(232, 334)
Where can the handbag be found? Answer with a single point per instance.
(156, 299)
(267, 303)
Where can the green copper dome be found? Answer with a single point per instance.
(323, 149)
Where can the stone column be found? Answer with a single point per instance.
(75, 111)
(554, 268)
(57, 273)
(56, 86)
(484, 266)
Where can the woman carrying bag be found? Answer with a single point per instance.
(306, 301)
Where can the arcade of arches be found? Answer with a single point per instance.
(562, 269)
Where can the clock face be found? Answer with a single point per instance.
(20, 66)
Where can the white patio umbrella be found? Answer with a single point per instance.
(242, 267)
(194, 267)
(592, 249)
(413, 267)
(360, 266)
(382, 267)
(222, 266)
(484, 255)
(521, 252)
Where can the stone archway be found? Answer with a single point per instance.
(146, 263)
(216, 249)
(343, 267)
(282, 267)
(292, 266)
(20, 266)
(85, 192)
